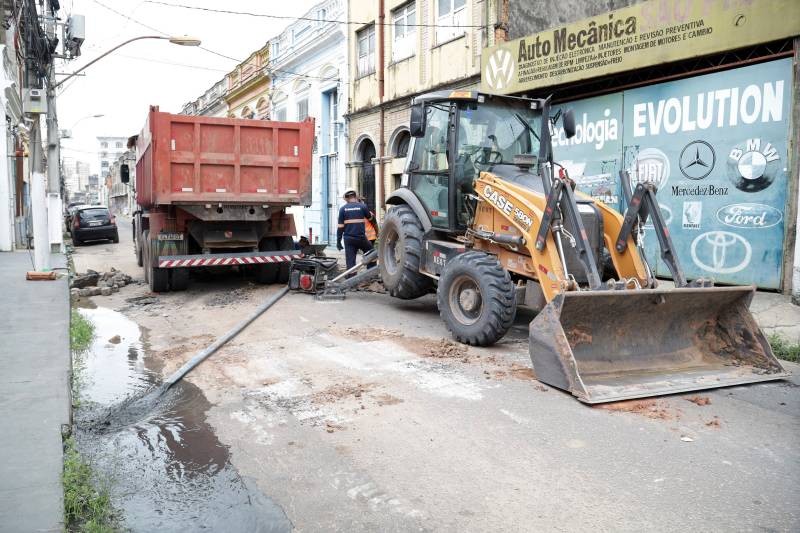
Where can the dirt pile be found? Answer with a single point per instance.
(340, 391)
(366, 333)
(699, 400)
(654, 409)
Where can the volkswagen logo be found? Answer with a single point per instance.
(721, 252)
(499, 70)
(697, 160)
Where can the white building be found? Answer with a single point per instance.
(211, 103)
(76, 175)
(308, 77)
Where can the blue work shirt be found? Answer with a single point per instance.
(352, 216)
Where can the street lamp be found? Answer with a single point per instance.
(175, 39)
(67, 134)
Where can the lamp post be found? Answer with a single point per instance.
(179, 40)
(48, 211)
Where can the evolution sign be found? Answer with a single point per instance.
(649, 33)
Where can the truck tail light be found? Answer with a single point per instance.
(113, 220)
(76, 222)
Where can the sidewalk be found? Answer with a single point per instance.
(34, 395)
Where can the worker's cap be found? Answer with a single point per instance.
(350, 192)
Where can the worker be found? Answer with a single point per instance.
(370, 226)
(353, 216)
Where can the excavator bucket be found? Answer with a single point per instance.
(605, 346)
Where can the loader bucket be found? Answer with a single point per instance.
(605, 346)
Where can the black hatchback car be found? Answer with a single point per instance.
(93, 222)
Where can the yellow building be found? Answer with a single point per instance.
(248, 87)
(408, 48)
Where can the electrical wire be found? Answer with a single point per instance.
(310, 19)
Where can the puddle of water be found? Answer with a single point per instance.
(167, 469)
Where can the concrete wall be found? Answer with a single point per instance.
(526, 17)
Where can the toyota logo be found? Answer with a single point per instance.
(721, 252)
(499, 69)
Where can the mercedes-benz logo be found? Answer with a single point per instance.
(697, 160)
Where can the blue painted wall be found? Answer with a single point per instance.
(717, 146)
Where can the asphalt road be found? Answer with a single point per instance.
(358, 416)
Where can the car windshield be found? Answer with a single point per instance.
(94, 213)
(497, 131)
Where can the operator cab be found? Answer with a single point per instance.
(456, 135)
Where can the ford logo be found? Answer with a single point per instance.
(749, 215)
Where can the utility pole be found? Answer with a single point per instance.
(54, 200)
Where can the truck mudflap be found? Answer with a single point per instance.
(605, 346)
(232, 259)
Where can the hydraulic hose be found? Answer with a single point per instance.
(221, 341)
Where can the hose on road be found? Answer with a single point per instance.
(201, 356)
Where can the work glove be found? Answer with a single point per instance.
(339, 246)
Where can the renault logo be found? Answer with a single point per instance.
(499, 69)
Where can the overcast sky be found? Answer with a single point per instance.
(122, 85)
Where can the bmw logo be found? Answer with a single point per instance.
(753, 165)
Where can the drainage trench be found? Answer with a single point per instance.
(166, 469)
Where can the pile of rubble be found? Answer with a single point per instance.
(92, 283)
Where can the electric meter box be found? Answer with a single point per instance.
(34, 101)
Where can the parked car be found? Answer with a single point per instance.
(93, 222)
(71, 208)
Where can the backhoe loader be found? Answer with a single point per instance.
(487, 219)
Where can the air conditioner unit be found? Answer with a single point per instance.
(34, 101)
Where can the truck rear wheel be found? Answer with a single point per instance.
(266, 274)
(179, 279)
(157, 278)
(400, 253)
(476, 299)
(284, 244)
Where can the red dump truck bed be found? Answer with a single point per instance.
(203, 160)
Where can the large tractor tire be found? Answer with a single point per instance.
(400, 252)
(157, 278)
(476, 299)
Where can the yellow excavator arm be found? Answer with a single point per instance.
(508, 209)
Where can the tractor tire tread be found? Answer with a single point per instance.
(411, 283)
(497, 292)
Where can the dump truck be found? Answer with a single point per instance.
(489, 220)
(214, 193)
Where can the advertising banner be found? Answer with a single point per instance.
(716, 146)
(645, 34)
(593, 157)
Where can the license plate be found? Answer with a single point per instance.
(170, 236)
(95, 222)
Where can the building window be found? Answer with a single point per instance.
(366, 50)
(119, 145)
(247, 113)
(404, 22)
(451, 19)
(321, 16)
(302, 109)
(276, 49)
(103, 154)
(104, 164)
(401, 144)
(104, 145)
(280, 114)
